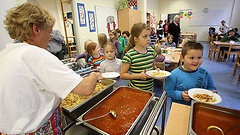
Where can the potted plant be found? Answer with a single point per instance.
(121, 4)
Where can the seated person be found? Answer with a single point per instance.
(189, 75)
(229, 37)
(160, 57)
(237, 35)
(169, 42)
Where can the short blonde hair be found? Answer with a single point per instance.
(20, 19)
(102, 39)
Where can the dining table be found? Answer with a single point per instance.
(174, 55)
(220, 44)
(178, 120)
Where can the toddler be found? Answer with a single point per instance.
(188, 76)
(160, 57)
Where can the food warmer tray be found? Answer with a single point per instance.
(145, 125)
(203, 115)
(75, 112)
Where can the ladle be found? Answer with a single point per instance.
(113, 113)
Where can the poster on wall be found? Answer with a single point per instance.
(81, 15)
(91, 20)
(106, 19)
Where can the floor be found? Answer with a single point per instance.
(227, 85)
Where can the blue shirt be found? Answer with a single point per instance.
(181, 80)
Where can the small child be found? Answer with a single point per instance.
(96, 57)
(188, 76)
(114, 39)
(126, 35)
(122, 43)
(160, 57)
(111, 63)
(169, 42)
(102, 40)
(84, 54)
(139, 58)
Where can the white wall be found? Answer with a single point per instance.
(3, 33)
(153, 9)
(173, 6)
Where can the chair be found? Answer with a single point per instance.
(161, 65)
(232, 50)
(212, 49)
(237, 64)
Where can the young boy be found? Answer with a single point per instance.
(188, 76)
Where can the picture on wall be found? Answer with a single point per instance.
(91, 20)
(81, 15)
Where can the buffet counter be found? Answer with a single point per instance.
(178, 120)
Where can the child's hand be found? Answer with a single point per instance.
(73, 60)
(214, 91)
(185, 96)
(143, 75)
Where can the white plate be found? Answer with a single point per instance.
(110, 75)
(193, 91)
(158, 77)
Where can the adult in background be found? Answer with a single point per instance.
(165, 28)
(224, 28)
(33, 81)
(174, 29)
(160, 30)
(55, 44)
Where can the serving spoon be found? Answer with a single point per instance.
(112, 112)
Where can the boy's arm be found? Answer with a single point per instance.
(170, 88)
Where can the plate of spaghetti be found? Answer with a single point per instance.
(158, 74)
(204, 95)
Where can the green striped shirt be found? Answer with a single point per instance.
(138, 63)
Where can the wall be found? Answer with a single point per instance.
(3, 33)
(153, 9)
(173, 6)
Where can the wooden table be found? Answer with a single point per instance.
(178, 120)
(190, 35)
(174, 57)
(223, 44)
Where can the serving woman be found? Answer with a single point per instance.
(33, 81)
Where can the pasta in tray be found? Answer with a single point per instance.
(72, 100)
(158, 73)
(204, 98)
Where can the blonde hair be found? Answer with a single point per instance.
(20, 20)
(158, 49)
(102, 39)
(176, 17)
(86, 43)
(112, 45)
(136, 30)
(114, 33)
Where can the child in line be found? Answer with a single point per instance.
(188, 76)
(111, 63)
(84, 54)
(125, 35)
(114, 39)
(102, 40)
(169, 42)
(122, 43)
(139, 58)
(160, 57)
(96, 57)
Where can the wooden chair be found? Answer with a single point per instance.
(232, 50)
(212, 50)
(161, 65)
(237, 64)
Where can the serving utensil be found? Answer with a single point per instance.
(112, 112)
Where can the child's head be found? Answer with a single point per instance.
(191, 55)
(93, 49)
(137, 30)
(86, 43)
(102, 39)
(125, 34)
(170, 39)
(119, 33)
(113, 35)
(158, 49)
(110, 50)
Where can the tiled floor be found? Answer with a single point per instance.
(227, 85)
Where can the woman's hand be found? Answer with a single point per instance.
(185, 96)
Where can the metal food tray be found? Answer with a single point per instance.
(80, 118)
(203, 115)
(74, 112)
